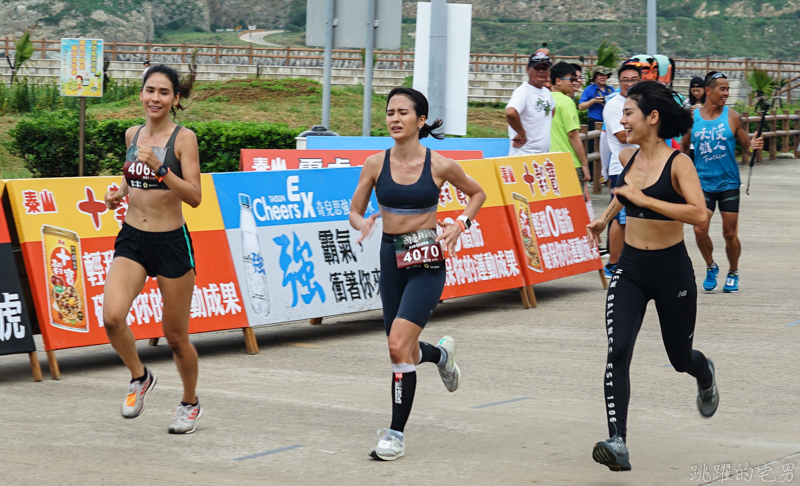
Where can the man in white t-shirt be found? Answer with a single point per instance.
(530, 110)
(628, 75)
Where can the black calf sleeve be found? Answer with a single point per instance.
(403, 387)
(430, 353)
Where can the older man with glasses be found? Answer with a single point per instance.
(529, 112)
(629, 74)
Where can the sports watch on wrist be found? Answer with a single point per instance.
(162, 172)
(465, 219)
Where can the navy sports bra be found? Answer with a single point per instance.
(418, 198)
(661, 190)
(139, 175)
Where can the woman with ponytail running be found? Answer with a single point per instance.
(162, 171)
(407, 179)
(660, 191)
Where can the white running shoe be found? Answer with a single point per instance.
(133, 406)
(450, 373)
(187, 418)
(389, 448)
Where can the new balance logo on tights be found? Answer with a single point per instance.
(682, 293)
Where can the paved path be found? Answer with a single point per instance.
(304, 411)
(258, 37)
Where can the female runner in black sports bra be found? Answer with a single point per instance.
(407, 179)
(660, 191)
(162, 171)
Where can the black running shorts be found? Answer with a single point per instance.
(169, 254)
(728, 200)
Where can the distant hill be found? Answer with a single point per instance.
(687, 28)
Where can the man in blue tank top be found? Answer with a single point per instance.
(714, 134)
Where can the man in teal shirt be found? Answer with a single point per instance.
(564, 134)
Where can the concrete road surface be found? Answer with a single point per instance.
(530, 407)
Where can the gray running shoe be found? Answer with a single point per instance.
(450, 373)
(133, 406)
(389, 448)
(612, 453)
(187, 418)
(708, 399)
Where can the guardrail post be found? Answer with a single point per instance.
(183, 53)
(515, 65)
(773, 140)
(217, 56)
(708, 65)
(477, 66)
(401, 60)
(288, 59)
(785, 124)
(42, 48)
(797, 137)
(114, 51)
(250, 57)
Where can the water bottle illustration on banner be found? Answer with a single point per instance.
(254, 269)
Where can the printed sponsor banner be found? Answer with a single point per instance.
(545, 206)
(491, 147)
(292, 245)
(486, 259)
(81, 72)
(67, 236)
(15, 329)
(277, 159)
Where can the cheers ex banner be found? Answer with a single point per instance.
(67, 236)
(486, 257)
(15, 329)
(294, 251)
(548, 215)
(279, 159)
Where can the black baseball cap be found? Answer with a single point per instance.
(539, 58)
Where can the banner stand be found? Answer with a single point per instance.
(52, 362)
(315, 321)
(250, 340)
(603, 279)
(35, 367)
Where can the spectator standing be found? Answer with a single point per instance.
(146, 67)
(578, 83)
(565, 135)
(593, 99)
(529, 112)
(629, 74)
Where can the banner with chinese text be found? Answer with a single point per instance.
(81, 72)
(545, 205)
(294, 251)
(280, 159)
(486, 258)
(15, 328)
(67, 236)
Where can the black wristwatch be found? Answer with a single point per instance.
(162, 171)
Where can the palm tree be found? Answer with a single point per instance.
(608, 55)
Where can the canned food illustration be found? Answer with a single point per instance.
(522, 213)
(64, 274)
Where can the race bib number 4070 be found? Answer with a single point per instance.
(418, 248)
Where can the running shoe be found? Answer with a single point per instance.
(708, 399)
(731, 283)
(612, 453)
(133, 406)
(187, 418)
(609, 270)
(710, 283)
(450, 373)
(389, 448)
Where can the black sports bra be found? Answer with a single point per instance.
(661, 190)
(418, 198)
(139, 175)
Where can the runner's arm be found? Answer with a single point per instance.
(738, 126)
(188, 188)
(360, 202)
(686, 142)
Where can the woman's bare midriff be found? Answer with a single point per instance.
(154, 210)
(398, 224)
(652, 234)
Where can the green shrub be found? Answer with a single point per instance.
(48, 141)
(49, 144)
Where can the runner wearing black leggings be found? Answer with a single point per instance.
(407, 179)
(660, 191)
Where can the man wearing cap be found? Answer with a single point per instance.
(593, 99)
(530, 110)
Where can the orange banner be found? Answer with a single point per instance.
(486, 259)
(280, 159)
(545, 206)
(67, 236)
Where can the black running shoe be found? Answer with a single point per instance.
(612, 453)
(708, 399)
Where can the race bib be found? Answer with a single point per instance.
(419, 248)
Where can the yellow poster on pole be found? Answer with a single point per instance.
(81, 72)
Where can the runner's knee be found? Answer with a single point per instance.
(729, 234)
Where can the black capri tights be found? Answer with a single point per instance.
(667, 277)
(407, 293)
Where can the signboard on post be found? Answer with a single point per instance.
(350, 26)
(81, 72)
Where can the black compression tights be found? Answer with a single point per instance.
(667, 277)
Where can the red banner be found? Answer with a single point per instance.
(278, 159)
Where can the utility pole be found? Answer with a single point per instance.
(327, 64)
(437, 60)
(652, 33)
(368, 67)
